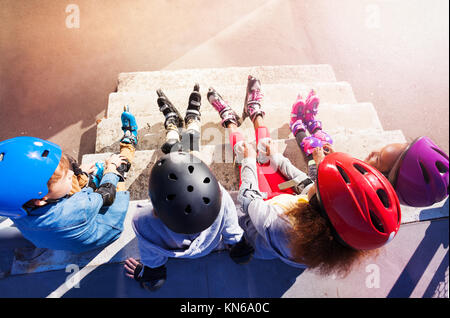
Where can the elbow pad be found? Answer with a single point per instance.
(108, 193)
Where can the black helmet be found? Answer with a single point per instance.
(184, 192)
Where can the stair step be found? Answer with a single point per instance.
(152, 134)
(284, 95)
(220, 159)
(145, 81)
(127, 246)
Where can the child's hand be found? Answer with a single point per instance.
(318, 155)
(114, 162)
(130, 267)
(270, 149)
(327, 148)
(88, 167)
(248, 151)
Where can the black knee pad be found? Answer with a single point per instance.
(171, 145)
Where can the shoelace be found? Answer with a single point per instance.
(255, 96)
(217, 103)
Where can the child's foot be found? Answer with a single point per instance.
(253, 97)
(96, 176)
(171, 114)
(310, 111)
(129, 127)
(227, 114)
(303, 114)
(296, 122)
(193, 109)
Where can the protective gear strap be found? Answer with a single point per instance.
(297, 183)
(108, 193)
(150, 278)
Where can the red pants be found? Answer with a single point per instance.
(268, 178)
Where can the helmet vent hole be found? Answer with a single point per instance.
(344, 175)
(360, 168)
(173, 177)
(191, 169)
(45, 154)
(170, 197)
(439, 151)
(190, 188)
(207, 180)
(376, 222)
(206, 200)
(425, 174)
(382, 195)
(1, 156)
(441, 167)
(161, 162)
(188, 209)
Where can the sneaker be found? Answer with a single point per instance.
(193, 109)
(253, 97)
(129, 127)
(171, 114)
(227, 114)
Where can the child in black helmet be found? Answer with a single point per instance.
(190, 213)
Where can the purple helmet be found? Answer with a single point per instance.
(420, 175)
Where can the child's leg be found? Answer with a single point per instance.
(190, 139)
(236, 140)
(173, 122)
(128, 144)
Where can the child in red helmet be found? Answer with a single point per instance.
(291, 226)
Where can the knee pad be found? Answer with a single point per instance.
(171, 145)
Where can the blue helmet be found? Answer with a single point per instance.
(26, 165)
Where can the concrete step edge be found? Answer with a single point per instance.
(145, 101)
(152, 133)
(136, 81)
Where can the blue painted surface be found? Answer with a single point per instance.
(414, 264)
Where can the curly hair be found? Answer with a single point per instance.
(312, 243)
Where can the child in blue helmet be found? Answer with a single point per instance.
(55, 209)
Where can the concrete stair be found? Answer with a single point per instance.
(333, 116)
(150, 81)
(220, 157)
(354, 126)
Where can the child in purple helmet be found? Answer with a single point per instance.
(418, 170)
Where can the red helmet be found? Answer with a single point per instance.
(358, 200)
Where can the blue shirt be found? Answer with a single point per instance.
(78, 223)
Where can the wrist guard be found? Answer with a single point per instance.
(150, 278)
(108, 193)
